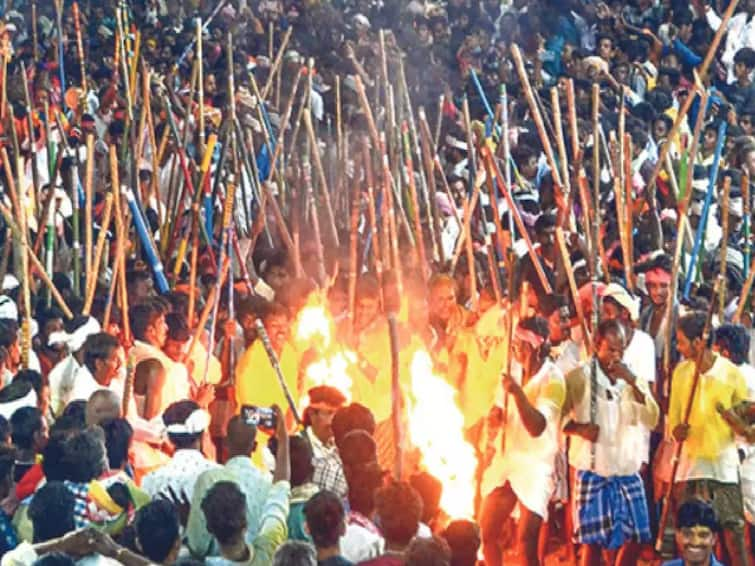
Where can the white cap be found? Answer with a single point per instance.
(361, 20)
(8, 308)
(10, 282)
(624, 298)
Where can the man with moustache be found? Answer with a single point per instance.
(610, 505)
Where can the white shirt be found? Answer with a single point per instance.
(740, 32)
(84, 385)
(639, 356)
(61, 378)
(180, 474)
(747, 472)
(619, 416)
(528, 463)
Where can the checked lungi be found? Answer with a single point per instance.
(610, 511)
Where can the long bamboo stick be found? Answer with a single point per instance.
(420, 239)
(323, 180)
(724, 247)
(536, 115)
(682, 224)
(276, 65)
(101, 238)
(561, 240)
(685, 419)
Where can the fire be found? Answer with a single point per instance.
(436, 427)
(332, 370)
(314, 323)
(314, 329)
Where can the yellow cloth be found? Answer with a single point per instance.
(709, 434)
(256, 380)
(372, 382)
(257, 384)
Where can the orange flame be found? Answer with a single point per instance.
(315, 328)
(436, 428)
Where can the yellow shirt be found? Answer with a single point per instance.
(256, 381)
(710, 438)
(372, 384)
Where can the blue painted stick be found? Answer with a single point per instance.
(706, 209)
(141, 229)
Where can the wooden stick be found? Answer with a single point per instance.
(427, 150)
(561, 240)
(439, 123)
(371, 211)
(121, 227)
(80, 52)
(194, 258)
(88, 184)
(722, 29)
(88, 201)
(310, 196)
(747, 220)
(323, 181)
(468, 207)
(353, 260)
(420, 239)
(621, 217)
(40, 269)
(392, 241)
(494, 171)
(572, 111)
(724, 247)
(536, 116)
(414, 144)
(500, 237)
(628, 202)
(35, 263)
(24, 250)
(91, 285)
(34, 33)
(280, 220)
(205, 315)
(685, 418)
(560, 142)
(278, 59)
(665, 148)
(682, 224)
(200, 86)
(746, 288)
(118, 262)
(32, 140)
(597, 220)
(471, 263)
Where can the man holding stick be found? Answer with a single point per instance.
(709, 462)
(610, 506)
(531, 432)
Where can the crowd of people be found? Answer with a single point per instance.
(550, 201)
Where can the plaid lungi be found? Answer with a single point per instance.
(610, 511)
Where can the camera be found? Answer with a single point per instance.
(261, 417)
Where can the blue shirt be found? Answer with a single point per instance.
(8, 538)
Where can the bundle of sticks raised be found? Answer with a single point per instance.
(223, 176)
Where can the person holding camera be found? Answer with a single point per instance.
(225, 511)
